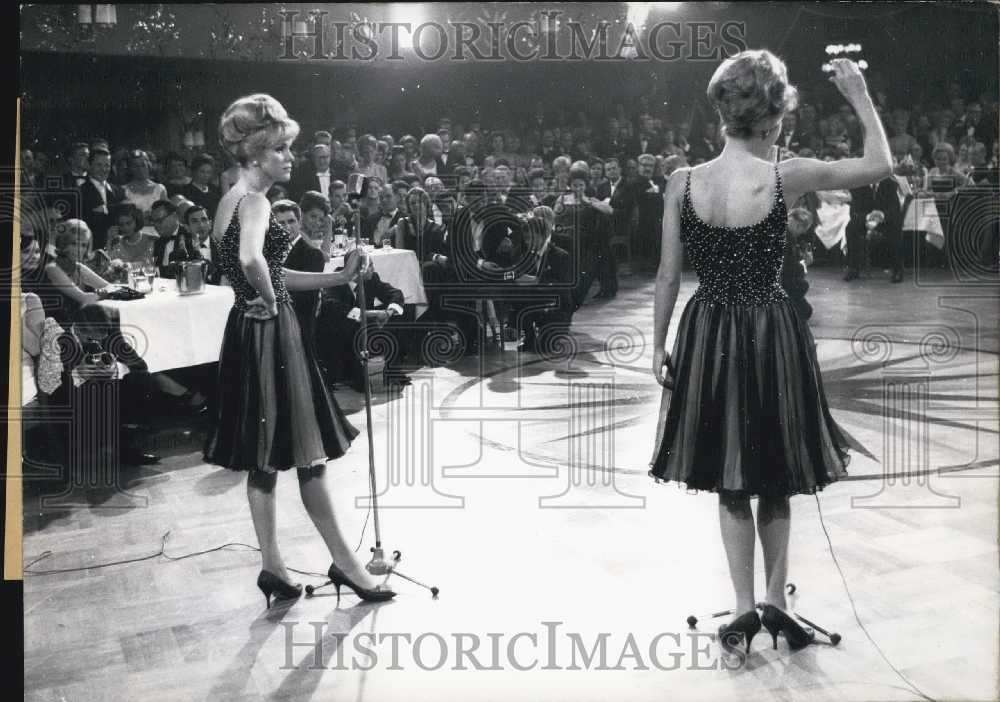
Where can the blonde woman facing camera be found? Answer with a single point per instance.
(748, 416)
(274, 411)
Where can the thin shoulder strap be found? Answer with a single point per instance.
(779, 190)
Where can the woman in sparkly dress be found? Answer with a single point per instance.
(748, 416)
(274, 412)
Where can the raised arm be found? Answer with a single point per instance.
(803, 175)
(668, 275)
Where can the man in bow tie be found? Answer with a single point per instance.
(98, 197)
(338, 326)
(550, 278)
(163, 217)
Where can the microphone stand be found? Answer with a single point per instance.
(378, 565)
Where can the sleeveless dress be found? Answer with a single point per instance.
(747, 414)
(273, 411)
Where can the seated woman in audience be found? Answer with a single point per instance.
(317, 221)
(67, 283)
(418, 231)
(397, 166)
(128, 241)
(141, 190)
(202, 189)
(963, 164)
(429, 160)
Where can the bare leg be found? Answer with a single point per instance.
(736, 522)
(316, 500)
(260, 494)
(773, 525)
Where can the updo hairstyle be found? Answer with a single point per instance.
(253, 123)
(749, 90)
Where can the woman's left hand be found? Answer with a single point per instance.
(662, 366)
(259, 308)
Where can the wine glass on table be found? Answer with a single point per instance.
(149, 270)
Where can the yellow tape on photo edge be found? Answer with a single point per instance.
(13, 560)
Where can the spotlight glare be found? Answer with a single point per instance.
(412, 13)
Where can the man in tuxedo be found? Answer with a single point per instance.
(506, 194)
(78, 158)
(550, 279)
(303, 256)
(882, 196)
(790, 135)
(340, 321)
(648, 197)
(98, 197)
(317, 178)
(163, 217)
(645, 142)
(198, 222)
(614, 191)
(376, 226)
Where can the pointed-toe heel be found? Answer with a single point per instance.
(776, 621)
(375, 594)
(270, 584)
(740, 630)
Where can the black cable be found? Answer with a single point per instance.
(162, 552)
(854, 608)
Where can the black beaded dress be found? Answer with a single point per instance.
(273, 411)
(747, 413)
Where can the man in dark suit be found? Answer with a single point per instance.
(791, 137)
(375, 227)
(551, 278)
(78, 158)
(175, 243)
(304, 256)
(648, 197)
(316, 176)
(616, 192)
(882, 196)
(646, 141)
(98, 197)
(340, 321)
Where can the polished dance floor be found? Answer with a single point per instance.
(518, 487)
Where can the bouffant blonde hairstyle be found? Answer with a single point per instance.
(750, 90)
(252, 124)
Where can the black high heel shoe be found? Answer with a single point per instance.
(271, 584)
(375, 594)
(777, 621)
(743, 628)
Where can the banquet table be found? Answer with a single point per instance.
(169, 330)
(398, 267)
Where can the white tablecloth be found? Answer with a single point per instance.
(922, 216)
(169, 330)
(401, 269)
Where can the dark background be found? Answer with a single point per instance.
(914, 49)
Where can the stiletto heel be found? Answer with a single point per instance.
(743, 628)
(777, 621)
(271, 584)
(375, 594)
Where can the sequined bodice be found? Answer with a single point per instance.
(277, 244)
(737, 265)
